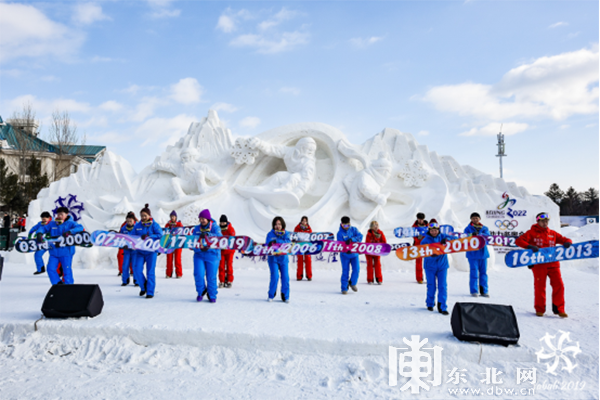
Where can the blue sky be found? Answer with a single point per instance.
(133, 75)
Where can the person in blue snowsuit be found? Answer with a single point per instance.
(39, 255)
(278, 264)
(478, 258)
(349, 234)
(146, 228)
(206, 261)
(128, 254)
(63, 225)
(436, 270)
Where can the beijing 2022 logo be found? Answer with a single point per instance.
(507, 202)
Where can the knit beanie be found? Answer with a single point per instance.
(204, 214)
(475, 215)
(223, 218)
(420, 216)
(173, 213)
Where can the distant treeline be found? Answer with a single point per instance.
(573, 202)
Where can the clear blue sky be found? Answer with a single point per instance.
(134, 74)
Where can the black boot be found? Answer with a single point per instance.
(430, 308)
(142, 292)
(125, 283)
(40, 271)
(481, 292)
(439, 307)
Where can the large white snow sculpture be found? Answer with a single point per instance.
(294, 170)
(284, 189)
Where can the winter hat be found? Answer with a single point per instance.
(345, 220)
(475, 215)
(204, 214)
(173, 213)
(432, 220)
(131, 215)
(146, 210)
(223, 218)
(45, 214)
(420, 216)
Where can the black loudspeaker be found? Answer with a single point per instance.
(65, 301)
(485, 323)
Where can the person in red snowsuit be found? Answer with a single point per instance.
(304, 262)
(176, 255)
(539, 236)
(120, 253)
(226, 264)
(419, 223)
(373, 262)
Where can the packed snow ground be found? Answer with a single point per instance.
(320, 345)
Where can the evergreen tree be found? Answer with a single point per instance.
(571, 203)
(555, 194)
(36, 181)
(9, 184)
(590, 197)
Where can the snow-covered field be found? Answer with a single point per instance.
(320, 345)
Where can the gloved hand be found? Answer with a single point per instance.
(67, 234)
(566, 245)
(272, 242)
(434, 256)
(204, 248)
(39, 238)
(203, 235)
(348, 241)
(443, 241)
(533, 248)
(144, 237)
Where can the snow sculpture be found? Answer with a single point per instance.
(284, 188)
(365, 187)
(190, 176)
(243, 152)
(413, 173)
(293, 170)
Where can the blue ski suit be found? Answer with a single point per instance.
(354, 236)
(62, 255)
(206, 262)
(39, 255)
(278, 265)
(129, 256)
(478, 261)
(147, 283)
(436, 268)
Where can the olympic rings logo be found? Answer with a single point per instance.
(506, 224)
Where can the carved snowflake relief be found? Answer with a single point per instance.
(413, 173)
(244, 151)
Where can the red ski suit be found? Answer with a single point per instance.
(226, 264)
(304, 262)
(545, 237)
(174, 256)
(120, 256)
(373, 262)
(419, 261)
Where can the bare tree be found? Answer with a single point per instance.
(67, 142)
(26, 130)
